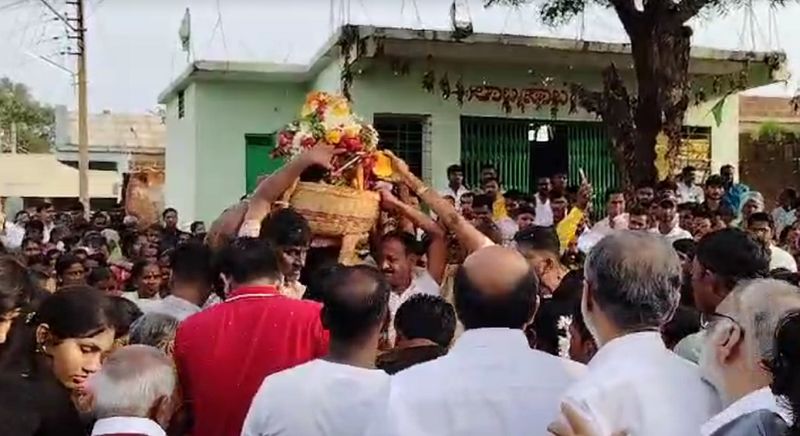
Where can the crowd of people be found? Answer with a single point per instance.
(471, 312)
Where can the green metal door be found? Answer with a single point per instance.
(590, 149)
(499, 141)
(504, 143)
(258, 161)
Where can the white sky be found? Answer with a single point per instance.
(134, 49)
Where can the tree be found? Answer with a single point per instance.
(24, 120)
(660, 44)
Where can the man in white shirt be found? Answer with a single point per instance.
(616, 219)
(635, 384)
(667, 223)
(455, 184)
(786, 213)
(133, 393)
(400, 253)
(192, 280)
(688, 190)
(737, 341)
(544, 214)
(761, 225)
(15, 231)
(340, 393)
(491, 382)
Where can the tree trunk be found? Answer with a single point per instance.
(647, 112)
(660, 49)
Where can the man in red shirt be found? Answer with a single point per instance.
(225, 352)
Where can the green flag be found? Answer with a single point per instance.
(717, 110)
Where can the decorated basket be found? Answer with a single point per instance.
(343, 207)
(336, 211)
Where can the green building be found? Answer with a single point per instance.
(436, 100)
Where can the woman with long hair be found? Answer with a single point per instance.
(48, 360)
(785, 368)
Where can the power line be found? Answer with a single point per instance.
(416, 12)
(366, 12)
(221, 27)
(59, 15)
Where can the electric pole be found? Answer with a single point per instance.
(79, 35)
(83, 128)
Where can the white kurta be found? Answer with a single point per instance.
(173, 306)
(780, 258)
(422, 282)
(690, 194)
(544, 213)
(490, 383)
(675, 234)
(637, 385)
(318, 398)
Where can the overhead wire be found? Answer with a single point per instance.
(416, 12)
(366, 12)
(219, 26)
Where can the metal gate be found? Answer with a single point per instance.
(590, 150)
(498, 141)
(504, 143)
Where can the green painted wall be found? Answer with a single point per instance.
(181, 156)
(226, 111)
(206, 150)
(328, 79)
(378, 90)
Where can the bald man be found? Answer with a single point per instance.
(491, 382)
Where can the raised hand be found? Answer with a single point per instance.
(399, 165)
(322, 155)
(388, 200)
(573, 423)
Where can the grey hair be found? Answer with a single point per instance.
(132, 379)
(635, 279)
(760, 305)
(154, 329)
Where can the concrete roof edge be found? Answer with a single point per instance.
(551, 42)
(320, 60)
(325, 54)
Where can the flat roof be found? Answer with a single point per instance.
(112, 132)
(41, 175)
(428, 39)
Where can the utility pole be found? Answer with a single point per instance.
(83, 128)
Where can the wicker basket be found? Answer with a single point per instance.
(335, 211)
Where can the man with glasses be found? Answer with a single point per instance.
(722, 260)
(737, 346)
(635, 384)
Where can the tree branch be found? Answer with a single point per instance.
(687, 9)
(627, 13)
